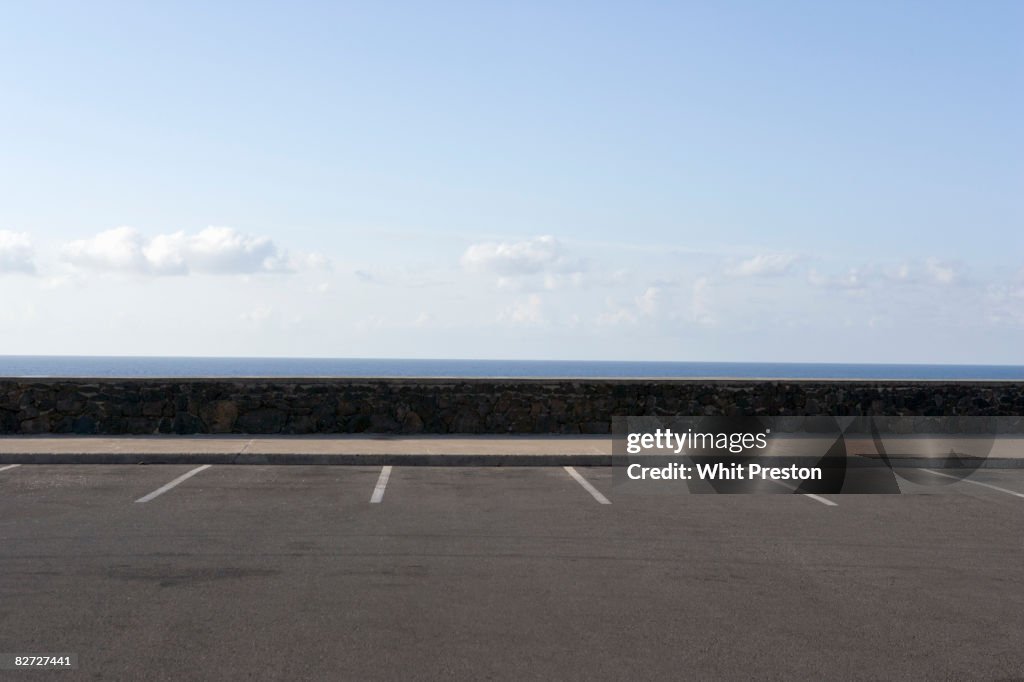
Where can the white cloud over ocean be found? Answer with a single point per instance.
(764, 265)
(212, 251)
(16, 252)
(540, 255)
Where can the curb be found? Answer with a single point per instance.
(299, 458)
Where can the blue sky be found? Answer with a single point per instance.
(702, 181)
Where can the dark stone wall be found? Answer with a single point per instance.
(295, 406)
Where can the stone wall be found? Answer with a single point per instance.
(149, 406)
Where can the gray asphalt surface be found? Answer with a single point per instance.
(291, 573)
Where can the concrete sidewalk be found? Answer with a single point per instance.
(459, 450)
(469, 450)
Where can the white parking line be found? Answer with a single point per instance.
(382, 483)
(818, 498)
(180, 479)
(987, 485)
(9, 466)
(827, 503)
(586, 486)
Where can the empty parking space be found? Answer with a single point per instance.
(485, 488)
(38, 491)
(272, 509)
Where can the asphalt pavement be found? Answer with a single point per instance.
(171, 572)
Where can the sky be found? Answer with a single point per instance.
(692, 181)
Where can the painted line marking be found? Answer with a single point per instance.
(987, 485)
(586, 486)
(9, 466)
(382, 483)
(180, 479)
(817, 498)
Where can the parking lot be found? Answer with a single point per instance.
(342, 572)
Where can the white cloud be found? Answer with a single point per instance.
(116, 249)
(513, 259)
(764, 265)
(648, 302)
(214, 250)
(16, 253)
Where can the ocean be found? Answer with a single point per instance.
(98, 366)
